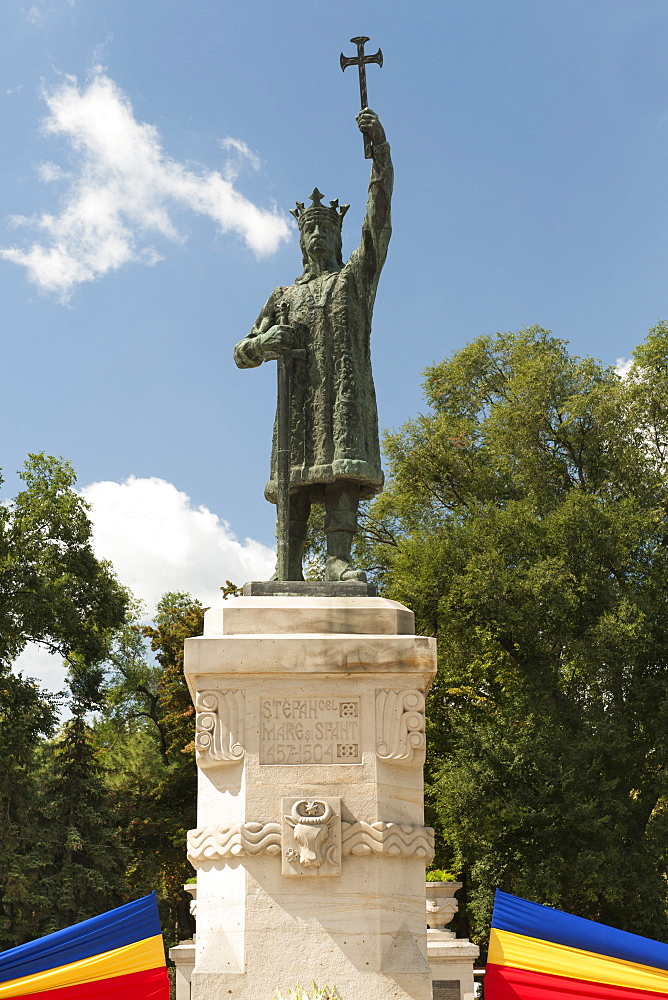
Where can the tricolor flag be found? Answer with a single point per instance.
(116, 955)
(537, 953)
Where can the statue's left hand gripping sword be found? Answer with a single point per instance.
(361, 60)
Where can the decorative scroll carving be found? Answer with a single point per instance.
(219, 727)
(392, 840)
(217, 843)
(400, 727)
(311, 836)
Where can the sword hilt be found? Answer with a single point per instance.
(298, 353)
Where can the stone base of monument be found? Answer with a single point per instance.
(309, 588)
(310, 847)
(451, 963)
(450, 959)
(183, 957)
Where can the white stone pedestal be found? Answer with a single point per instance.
(183, 957)
(451, 962)
(310, 847)
(450, 958)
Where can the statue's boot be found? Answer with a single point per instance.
(338, 557)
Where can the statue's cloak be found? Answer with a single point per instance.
(334, 419)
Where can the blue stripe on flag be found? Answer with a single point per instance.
(536, 921)
(114, 929)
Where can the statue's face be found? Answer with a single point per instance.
(320, 238)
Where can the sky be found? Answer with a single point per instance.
(151, 152)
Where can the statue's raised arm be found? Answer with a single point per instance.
(377, 225)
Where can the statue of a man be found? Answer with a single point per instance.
(335, 455)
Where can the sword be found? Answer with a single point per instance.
(284, 361)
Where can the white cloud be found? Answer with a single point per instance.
(241, 153)
(623, 366)
(124, 188)
(48, 171)
(158, 541)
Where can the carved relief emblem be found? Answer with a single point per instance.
(311, 836)
(400, 727)
(219, 735)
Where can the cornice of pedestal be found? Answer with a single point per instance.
(315, 615)
(324, 654)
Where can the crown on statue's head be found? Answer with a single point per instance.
(333, 211)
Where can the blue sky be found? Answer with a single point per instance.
(152, 149)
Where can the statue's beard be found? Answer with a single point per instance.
(326, 258)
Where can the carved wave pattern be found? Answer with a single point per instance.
(400, 734)
(392, 840)
(216, 843)
(219, 727)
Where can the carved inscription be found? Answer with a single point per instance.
(310, 730)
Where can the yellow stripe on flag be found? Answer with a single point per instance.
(535, 955)
(137, 957)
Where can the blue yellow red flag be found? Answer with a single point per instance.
(118, 954)
(538, 953)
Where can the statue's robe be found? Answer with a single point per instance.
(334, 419)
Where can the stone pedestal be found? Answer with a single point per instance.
(310, 847)
(183, 957)
(450, 958)
(183, 954)
(451, 962)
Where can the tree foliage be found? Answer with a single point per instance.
(98, 813)
(53, 590)
(147, 733)
(26, 717)
(526, 512)
(83, 859)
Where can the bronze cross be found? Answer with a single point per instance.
(361, 60)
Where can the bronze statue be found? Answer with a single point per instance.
(324, 321)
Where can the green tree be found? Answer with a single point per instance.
(53, 591)
(148, 732)
(527, 518)
(85, 872)
(26, 717)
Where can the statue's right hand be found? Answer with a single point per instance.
(277, 338)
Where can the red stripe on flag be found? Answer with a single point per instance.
(505, 983)
(152, 984)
